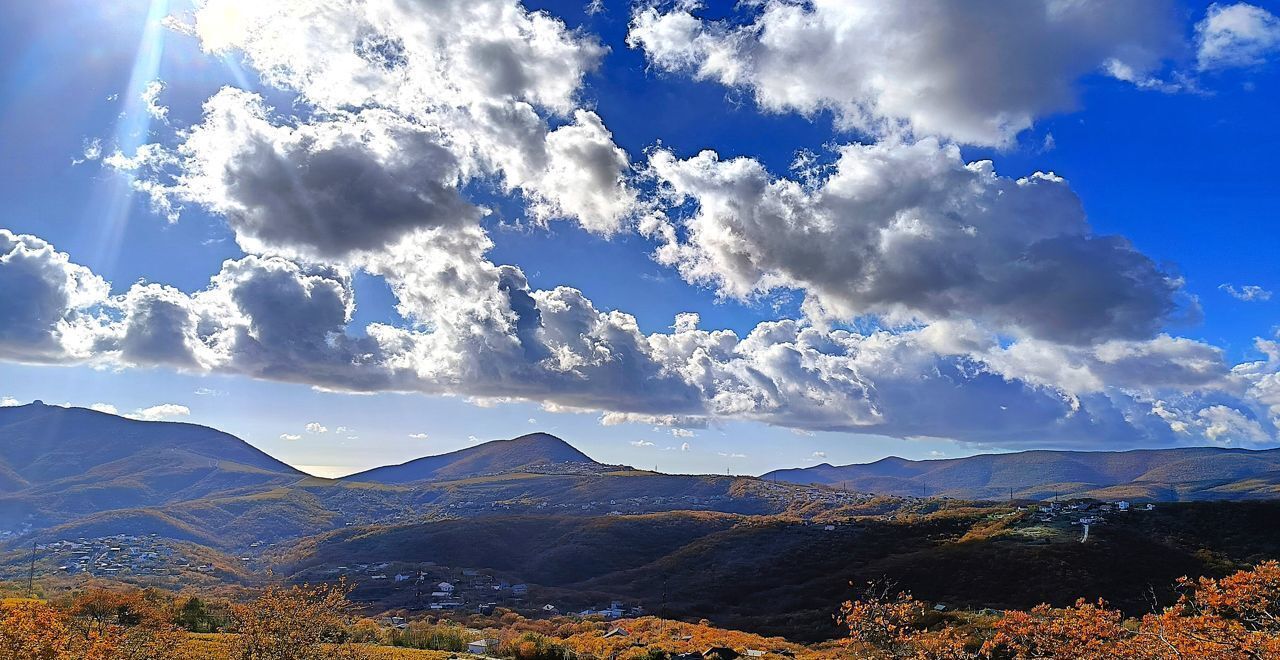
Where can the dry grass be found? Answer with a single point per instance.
(219, 646)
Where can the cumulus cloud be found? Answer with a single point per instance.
(478, 329)
(1003, 318)
(323, 189)
(910, 232)
(1247, 293)
(478, 83)
(976, 75)
(104, 408)
(641, 443)
(1237, 35)
(290, 436)
(9, 402)
(49, 308)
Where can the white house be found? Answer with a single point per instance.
(445, 587)
(478, 647)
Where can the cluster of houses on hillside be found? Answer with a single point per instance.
(1082, 512)
(121, 554)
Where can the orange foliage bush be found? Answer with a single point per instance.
(299, 623)
(1234, 617)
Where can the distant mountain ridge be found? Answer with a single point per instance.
(497, 456)
(1187, 473)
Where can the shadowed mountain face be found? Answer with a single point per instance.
(59, 462)
(515, 455)
(1194, 473)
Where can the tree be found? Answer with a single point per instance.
(34, 630)
(299, 623)
(889, 623)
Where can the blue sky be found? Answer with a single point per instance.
(1164, 136)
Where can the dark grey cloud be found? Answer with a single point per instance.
(911, 232)
(324, 189)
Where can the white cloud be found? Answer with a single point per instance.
(1247, 293)
(974, 74)
(682, 433)
(9, 402)
(684, 446)
(151, 100)
(103, 408)
(641, 443)
(159, 412)
(316, 427)
(821, 455)
(290, 436)
(418, 436)
(92, 151)
(1237, 35)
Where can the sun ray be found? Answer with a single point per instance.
(133, 127)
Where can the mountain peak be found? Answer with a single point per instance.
(529, 451)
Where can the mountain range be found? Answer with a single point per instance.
(1178, 474)
(535, 509)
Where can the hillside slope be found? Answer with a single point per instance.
(58, 463)
(1153, 474)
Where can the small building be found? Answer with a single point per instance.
(445, 587)
(1122, 505)
(478, 647)
(616, 632)
(520, 589)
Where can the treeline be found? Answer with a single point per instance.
(1235, 617)
(1213, 619)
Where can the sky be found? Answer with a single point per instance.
(697, 237)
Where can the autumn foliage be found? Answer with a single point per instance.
(298, 623)
(1212, 619)
(1234, 617)
(98, 625)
